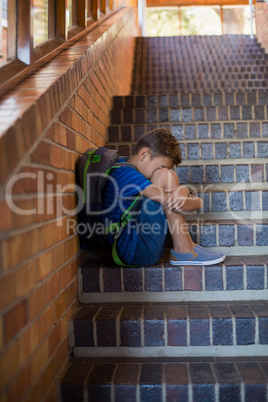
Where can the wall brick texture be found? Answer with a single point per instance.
(46, 122)
(261, 10)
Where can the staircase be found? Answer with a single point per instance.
(166, 333)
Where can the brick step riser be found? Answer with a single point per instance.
(240, 42)
(137, 381)
(188, 114)
(232, 201)
(175, 86)
(242, 133)
(168, 325)
(203, 50)
(192, 100)
(208, 68)
(208, 72)
(180, 81)
(214, 79)
(189, 75)
(222, 173)
(188, 65)
(212, 151)
(245, 275)
(209, 42)
(209, 45)
(164, 90)
(145, 62)
(142, 65)
(225, 173)
(244, 236)
(201, 82)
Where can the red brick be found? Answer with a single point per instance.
(8, 371)
(65, 276)
(28, 342)
(13, 250)
(22, 218)
(37, 301)
(70, 139)
(62, 355)
(48, 378)
(193, 278)
(6, 216)
(15, 320)
(20, 385)
(57, 133)
(65, 116)
(33, 394)
(59, 307)
(44, 265)
(54, 339)
(10, 148)
(46, 321)
(39, 360)
(4, 168)
(56, 156)
(1, 334)
(41, 153)
(25, 278)
(7, 293)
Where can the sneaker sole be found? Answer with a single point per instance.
(212, 262)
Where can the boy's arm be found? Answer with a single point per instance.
(177, 200)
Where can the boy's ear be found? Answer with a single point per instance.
(144, 152)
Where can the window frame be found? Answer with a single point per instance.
(20, 48)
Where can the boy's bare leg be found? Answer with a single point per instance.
(182, 241)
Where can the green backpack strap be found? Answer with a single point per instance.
(91, 159)
(117, 226)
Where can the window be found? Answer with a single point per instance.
(70, 14)
(40, 9)
(203, 20)
(31, 29)
(92, 11)
(3, 31)
(236, 20)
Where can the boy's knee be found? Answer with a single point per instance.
(165, 178)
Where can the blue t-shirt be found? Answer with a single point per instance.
(120, 191)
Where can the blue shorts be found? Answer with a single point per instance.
(152, 231)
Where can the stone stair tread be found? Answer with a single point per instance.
(107, 262)
(152, 379)
(174, 310)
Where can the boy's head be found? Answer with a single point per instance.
(160, 142)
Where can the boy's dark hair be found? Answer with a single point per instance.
(161, 142)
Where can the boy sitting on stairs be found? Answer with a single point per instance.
(164, 205)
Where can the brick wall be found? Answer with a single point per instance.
(45, 123)
(261, 9)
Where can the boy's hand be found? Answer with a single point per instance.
(177, 198)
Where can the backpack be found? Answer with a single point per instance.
(93, 169)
